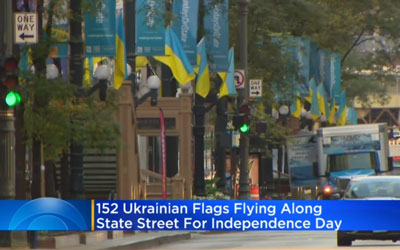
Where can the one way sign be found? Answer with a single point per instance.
(255, 88)
(26, 29)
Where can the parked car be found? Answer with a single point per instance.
(370, 188)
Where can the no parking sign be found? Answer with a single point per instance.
(239, 78)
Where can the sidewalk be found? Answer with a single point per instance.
(119, 240)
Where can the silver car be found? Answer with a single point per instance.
(370, 188)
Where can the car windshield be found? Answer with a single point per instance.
(352, 161)
(374, 187)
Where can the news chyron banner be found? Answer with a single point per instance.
(232, 215)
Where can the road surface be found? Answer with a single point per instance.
(272, 240)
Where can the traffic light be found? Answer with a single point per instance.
(241, 121)
(9, 81)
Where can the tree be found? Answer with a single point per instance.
(339, 25)
(51, 105)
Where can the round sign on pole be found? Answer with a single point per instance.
(239, 78)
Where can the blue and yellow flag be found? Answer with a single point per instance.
(203, 73)
(228, 82)
(88, 68)
(332, 112)
(315, 112)
(295, 107)
(176, 59)
(321, 94)
(341, 113)
(120, 72)
(141, 61)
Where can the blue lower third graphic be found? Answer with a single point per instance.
(247, 215)
(45, 214)
(232, 215)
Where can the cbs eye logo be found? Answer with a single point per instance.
(47, 214)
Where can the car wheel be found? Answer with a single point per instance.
(342, 240)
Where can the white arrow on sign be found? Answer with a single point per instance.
(255, 88)
(26, 29)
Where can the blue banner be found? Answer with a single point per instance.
(218, 215)
(303, 62)
(185, 26)
(61, 33)
(335, 76)
(325, 70)
(100, 31)
(150, 30)
(314, 62)
(217, 35)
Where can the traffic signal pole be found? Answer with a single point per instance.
(244, 189)
(7, 155)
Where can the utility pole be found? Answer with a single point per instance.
(76, 74)
(244, 189)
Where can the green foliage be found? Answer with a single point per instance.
(212, 192)
(56, 117)
(52, 112)
(339, 25)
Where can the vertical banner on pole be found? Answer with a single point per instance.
(335, 76)
(150, 29)
(303, 60)
(59, 29)
(216, 28)
(100, 31)
(314, 62)
(325, 69)
(185, 26)
(163, 157)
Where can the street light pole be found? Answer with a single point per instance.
(244, 189)
(76, 69)
(199, 131)
(130, 40)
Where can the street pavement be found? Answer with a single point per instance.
(272, 240)
(230, 240)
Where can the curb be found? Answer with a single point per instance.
(155, 241)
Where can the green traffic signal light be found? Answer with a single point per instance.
(13, 99)
(245, 128)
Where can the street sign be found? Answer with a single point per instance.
(239, 78)
(255, 88)
(26, 27)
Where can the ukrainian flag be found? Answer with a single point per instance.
(120, 73)
(295, 107)
(141, 61)
(321, 99)
(332, 112)
(315, 112)
(341, 114)
(176, 58)
(228, 83)
(203, 73)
